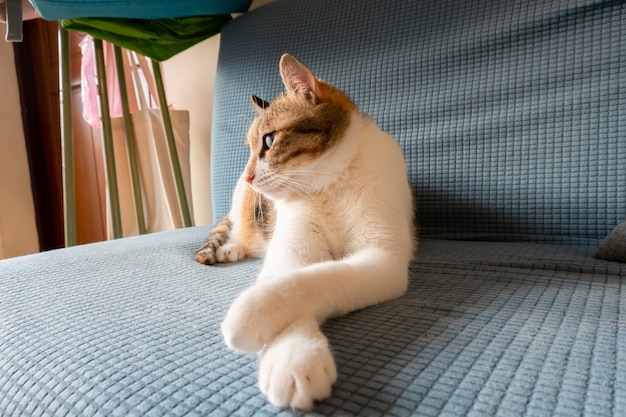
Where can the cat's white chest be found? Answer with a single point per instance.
(314, 232)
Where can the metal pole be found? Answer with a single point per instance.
(130, 141)
(171, 144)
(107, 138)
(65, 99)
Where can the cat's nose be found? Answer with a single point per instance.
(250, 178)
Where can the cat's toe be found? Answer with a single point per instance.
(297, 369)
(206, 256)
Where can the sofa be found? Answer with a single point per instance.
(512, 118)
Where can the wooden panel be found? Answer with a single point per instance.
(37, 70)
(90, 186)
(90, 196)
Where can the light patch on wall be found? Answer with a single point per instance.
(18, 231)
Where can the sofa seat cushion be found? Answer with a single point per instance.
(131, 327)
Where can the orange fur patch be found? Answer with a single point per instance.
(338, 98)
(255, 228)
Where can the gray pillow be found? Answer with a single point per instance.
(613, 247)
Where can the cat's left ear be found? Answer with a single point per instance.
(298, 78)
(259, 102)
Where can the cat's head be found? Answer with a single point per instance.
(291, 136)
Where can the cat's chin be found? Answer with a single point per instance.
(275, 190)
(272, 193)
(278, 194)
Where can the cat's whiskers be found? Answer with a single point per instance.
(298, 188)
(331, 191)
(322, 174)
(258, 202)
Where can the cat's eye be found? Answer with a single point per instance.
(268, 140)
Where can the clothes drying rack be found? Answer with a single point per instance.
(107, 138)
(130, 9)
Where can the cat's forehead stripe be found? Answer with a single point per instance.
(302, 132)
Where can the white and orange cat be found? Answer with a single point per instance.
(326, 200)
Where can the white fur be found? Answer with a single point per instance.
(342, 244)
(230, 252)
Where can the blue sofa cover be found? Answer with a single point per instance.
(512, 117)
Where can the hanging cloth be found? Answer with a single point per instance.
(159, 39)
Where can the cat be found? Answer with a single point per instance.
(325, 198)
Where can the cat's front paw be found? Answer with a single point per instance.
(259, 314)
(297, 368)
(206, 255)
(210, 253)
(230, 252)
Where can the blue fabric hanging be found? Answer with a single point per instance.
(138, 9)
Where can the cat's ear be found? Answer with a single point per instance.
(259, 102)
(298, 78)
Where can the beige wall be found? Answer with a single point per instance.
(18, 231)
(189, 78)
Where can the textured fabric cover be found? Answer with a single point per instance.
(131, 328)
(140, 9)
(511, 115)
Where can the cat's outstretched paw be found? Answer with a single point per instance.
(297, 368)
(206, 255)
(219, 247)
(228, 252)
(258, 315)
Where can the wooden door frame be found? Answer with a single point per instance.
(41, 128)
(37, 66)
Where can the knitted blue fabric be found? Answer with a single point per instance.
(131, 328)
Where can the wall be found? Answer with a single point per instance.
(189, 78)
(18, 231)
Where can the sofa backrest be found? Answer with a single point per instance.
(512, 115)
